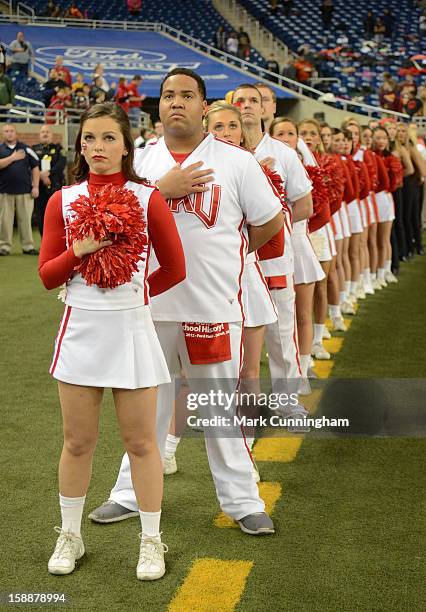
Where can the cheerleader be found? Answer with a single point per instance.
(342, 225)
(106, 337)
(322, 239)
(307, 270)
(362, 160)
(386, 209)
(224, 121)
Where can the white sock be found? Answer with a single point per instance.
(305, 360)
(380, 274)
(335, 311)
(354, 285)
(366, 276)
(342, 295)
(150, 522)
(347, 287)
(318, 332)
(171, 446)
(373, 276)
(388, 264)
(71, 512)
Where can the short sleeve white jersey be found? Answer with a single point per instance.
(297, 184)
(211, 226)
(126, 296)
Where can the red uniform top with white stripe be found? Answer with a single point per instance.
(212, 228)
(57, 260)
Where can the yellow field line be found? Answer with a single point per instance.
(270, 492)
(323, 368)
(212, 585)
(333, 345)
(329, 324)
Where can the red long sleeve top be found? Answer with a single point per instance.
(395, 171)
(354, 176)
(349, 193)
(371, 163)
(57, 262)
(383, 182)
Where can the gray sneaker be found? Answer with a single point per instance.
(111, 512)
(258, 523)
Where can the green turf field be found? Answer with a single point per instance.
(349, 521)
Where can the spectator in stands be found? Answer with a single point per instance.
(289, 71)
(22, 54)
(146, 135)
(81, 97)
(243, 44)
(73, 12)
(60, 101)
(220, 38)
(272, 64)
(274, 6)
(287, 6)
(19, 183)
(389, 22)
(122, 95)
(422, 24)
(232, 43)
(52, 10)
(391, 101)
(410, 104)
(63, 73)
(7, 94)
(379, 30)
(51, 86)
(388, 85)
(327, 9)
(79, 82)
(304, 69)
(103, 83)
(135, 101)
(369, 22)
(408, 85)
(421, 92)
(52, 168)
(134, 7)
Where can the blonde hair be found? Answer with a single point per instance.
(278, 120)
(320, 146)
(222, 105)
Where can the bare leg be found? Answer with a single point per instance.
(372, 247)
(320, 295)
(136, 414)
(304, 304)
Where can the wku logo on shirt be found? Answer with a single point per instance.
(203, 205)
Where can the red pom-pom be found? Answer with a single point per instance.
(395, 170)
(319, 187)
(335, 180)
(278, 185)
(112, 213)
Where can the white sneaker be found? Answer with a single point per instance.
(68, 549)
(151, 558)
(390, 277)
(382, 282)
(339, 324)
(360, 293)
(326, 334)
(319, 352)
(169, 466)
(304, 387)
(347, 308)
(376, 285)
(368, 289)
(352, 299)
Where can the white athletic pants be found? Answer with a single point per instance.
(282, 342)
(228, 457)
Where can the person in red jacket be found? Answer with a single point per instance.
(123, 95)
(385, 206)
(107, 337)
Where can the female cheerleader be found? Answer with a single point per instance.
(307, 270)
(107, 338)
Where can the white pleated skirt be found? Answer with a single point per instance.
(372, 208)
(109, 348)
(307, 268)
(259, 309)
(355, 219)
(385, 206)
(344, 218)
(337, 225)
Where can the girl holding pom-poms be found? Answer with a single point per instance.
(98, 237)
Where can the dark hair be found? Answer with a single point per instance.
(336, 131)
(247, 86)
(189, 73)
(266, 86)
(106, 109)
(347, 134)
(380, 128)
(278, 120)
